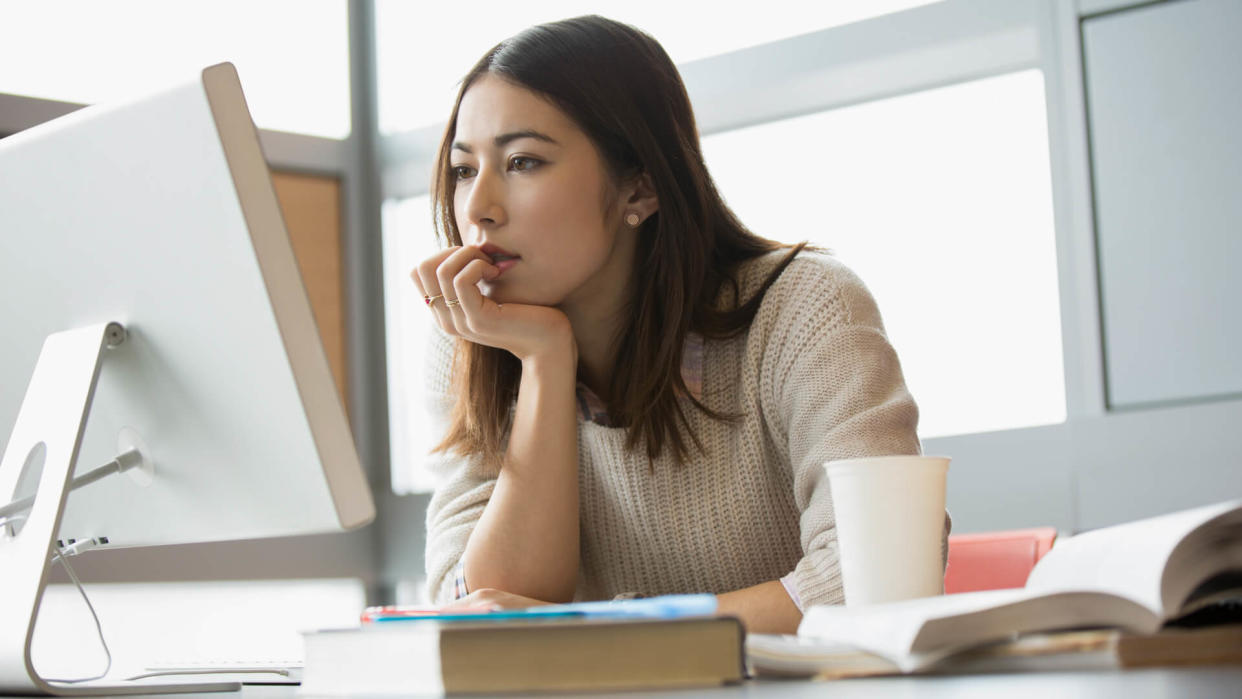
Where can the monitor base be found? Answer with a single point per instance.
(44, 443)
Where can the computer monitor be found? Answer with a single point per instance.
(153, 310)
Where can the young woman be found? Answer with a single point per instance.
(637, 394)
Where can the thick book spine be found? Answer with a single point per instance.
(433, 658)
(607, 656)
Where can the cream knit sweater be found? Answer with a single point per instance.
(814, 378)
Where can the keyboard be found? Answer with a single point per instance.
(264, 671)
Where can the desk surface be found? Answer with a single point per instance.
(1221, 681)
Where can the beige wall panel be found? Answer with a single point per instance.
(312, 210)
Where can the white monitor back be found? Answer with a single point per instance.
(160, 214)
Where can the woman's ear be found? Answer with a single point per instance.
(640, 201)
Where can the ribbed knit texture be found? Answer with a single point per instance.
(814, 379)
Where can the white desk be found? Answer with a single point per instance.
(1198, 682)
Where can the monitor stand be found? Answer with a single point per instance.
(49, 430)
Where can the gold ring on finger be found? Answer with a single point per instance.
(431, 299)
(452, 302)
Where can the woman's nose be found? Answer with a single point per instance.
(485, 206)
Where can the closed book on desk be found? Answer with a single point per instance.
(1135, 577)
(538, 655)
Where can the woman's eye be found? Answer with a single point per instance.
(522, 163)
(462, 171)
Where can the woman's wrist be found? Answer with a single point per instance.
(559, 355)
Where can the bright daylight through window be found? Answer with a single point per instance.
(420, 62)
(292, 55)
(942, 202)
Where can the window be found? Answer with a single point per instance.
(292, 56)
(941, 201)
(408, 239)
(424, 49)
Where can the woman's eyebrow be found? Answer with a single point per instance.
(506, 138)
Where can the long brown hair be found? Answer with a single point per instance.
(620, 87)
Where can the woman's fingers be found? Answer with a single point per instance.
(451, 278)
(472, 308)
(424, 276)
(445, 273)
(493, 599)
(472, 603)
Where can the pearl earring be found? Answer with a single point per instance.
(632, 220)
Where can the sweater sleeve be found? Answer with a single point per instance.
(832, 388)
(462, 488)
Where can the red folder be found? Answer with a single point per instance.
(995, 560)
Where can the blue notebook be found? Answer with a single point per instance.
(663, 607)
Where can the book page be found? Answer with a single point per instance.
(1127, 560)
(803, 656)
(917, 633)
(889, 629)
(1207, 566)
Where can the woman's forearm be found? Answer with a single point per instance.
(526, 541)
(764, 608)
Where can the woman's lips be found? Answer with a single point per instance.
(505, 263)
(492, 250)
(502, 259)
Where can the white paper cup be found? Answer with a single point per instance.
(890, 521)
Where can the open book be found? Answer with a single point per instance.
(1136, 577)
(773, 655)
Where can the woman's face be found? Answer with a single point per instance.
(530, 188)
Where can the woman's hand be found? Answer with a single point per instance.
(493, 599)
(527, 331)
